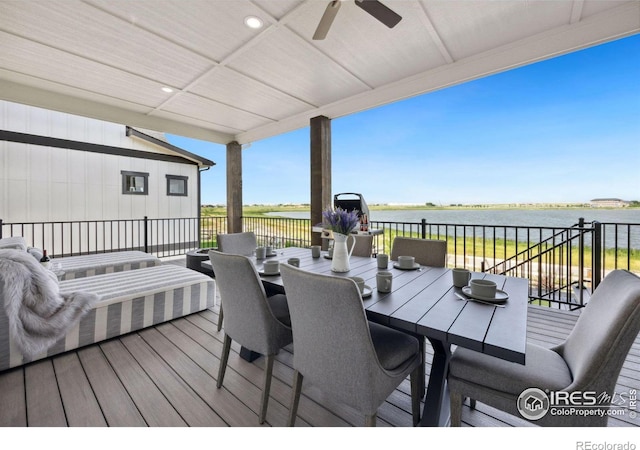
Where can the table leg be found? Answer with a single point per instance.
(436, 410)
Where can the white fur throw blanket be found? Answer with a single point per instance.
(38, 314)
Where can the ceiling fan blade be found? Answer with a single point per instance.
(380, 12)
(327, 20)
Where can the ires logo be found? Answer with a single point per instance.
(577, 398)
(534, 403)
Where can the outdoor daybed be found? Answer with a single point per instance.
(88, 265)
(101, 263)
(122, 302)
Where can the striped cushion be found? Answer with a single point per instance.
(90, 265)
(130, 301)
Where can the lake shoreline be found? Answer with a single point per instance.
(272, 210)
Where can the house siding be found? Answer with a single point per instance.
(40, 183)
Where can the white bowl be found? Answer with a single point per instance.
(406, 262)
(483, 288)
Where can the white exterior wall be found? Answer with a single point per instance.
(54, 184)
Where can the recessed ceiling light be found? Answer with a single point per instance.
(253, 22)
(167, 89)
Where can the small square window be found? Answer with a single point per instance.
(135, 183)
(177, 185)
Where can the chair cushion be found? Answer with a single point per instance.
(393, 347)
(544, 369)
(280, 308)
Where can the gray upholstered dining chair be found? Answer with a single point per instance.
(235, 244)
(363, 244)
(339, 351)
(255, 321)
(590, 359)
(428, 252)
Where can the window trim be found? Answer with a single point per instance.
(177, 177)
(128, 173)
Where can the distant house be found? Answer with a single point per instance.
(57, 167)
(608, 203)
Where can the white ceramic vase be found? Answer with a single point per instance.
(341, 254)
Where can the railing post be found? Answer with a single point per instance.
(423, 224)
(146, 242)
(596, 255)
(580, 260)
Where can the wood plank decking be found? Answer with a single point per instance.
(165, 376)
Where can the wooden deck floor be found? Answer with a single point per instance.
(165, 376)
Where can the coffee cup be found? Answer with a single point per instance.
(294, 262)
(483, 288)
(383, 260)
(315, 251)
(261, 253)
(406, 262)
(269, 250)
(330, 252)
(460, 277)
(360, 282)
(271, 267)
(383, 281)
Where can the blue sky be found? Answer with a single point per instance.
(562, 130)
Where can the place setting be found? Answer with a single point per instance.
(478, 290)
(406, 263)
(365, 290)
(264, 252)
(270, 269)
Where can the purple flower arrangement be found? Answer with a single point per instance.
(340, 220)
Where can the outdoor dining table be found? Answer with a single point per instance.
(424, 303)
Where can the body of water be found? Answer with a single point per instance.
(553, 218)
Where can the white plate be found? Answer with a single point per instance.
(273, 274)
(501, 296)
(367, 291)
(415, 266)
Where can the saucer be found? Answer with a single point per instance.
(501, 296)
(415, 266)
(367, 291)
(269, 255)
(272, 274)
(326, 255)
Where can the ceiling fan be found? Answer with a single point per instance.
(373, 7)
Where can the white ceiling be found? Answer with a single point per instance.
(109, 59)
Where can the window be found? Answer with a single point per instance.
(177, 185)
(135, 183)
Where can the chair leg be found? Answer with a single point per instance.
(295, 397)
(268, 370)
(370, 421)
(226, 347)
(456, 408)
(220, 316)
(416, 394)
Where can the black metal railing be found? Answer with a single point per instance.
(163, 237)
(562, 264)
